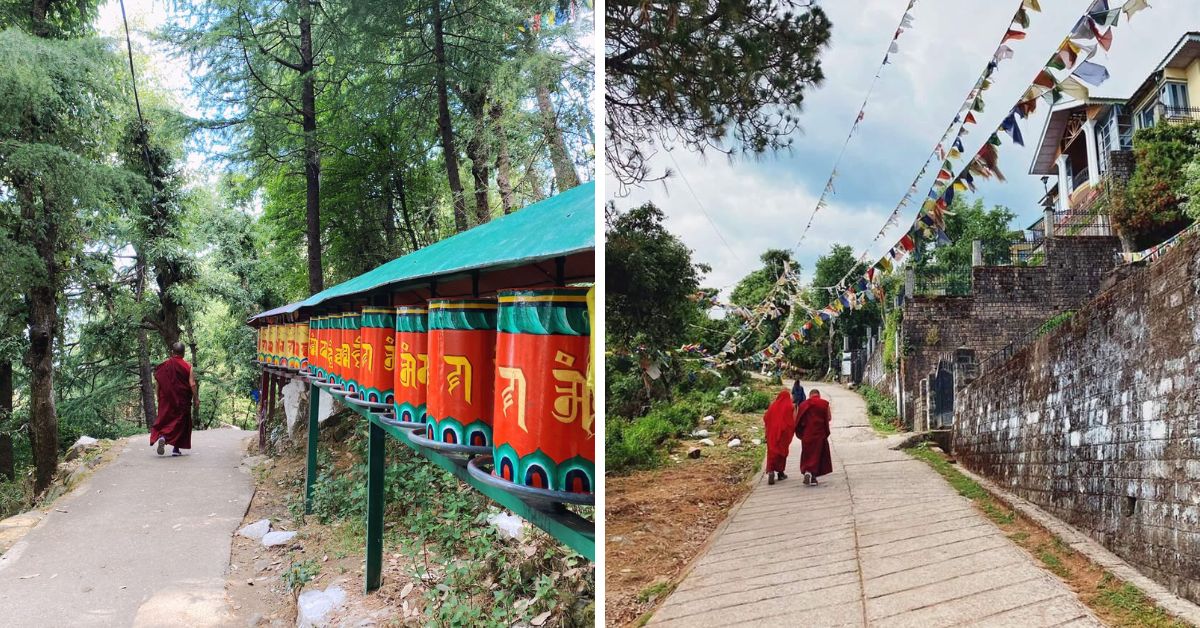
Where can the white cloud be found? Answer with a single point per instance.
(765, 203)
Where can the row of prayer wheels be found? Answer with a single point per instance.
(509, 373)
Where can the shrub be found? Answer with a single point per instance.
(878, 403)
(751, 401)
(628, 446)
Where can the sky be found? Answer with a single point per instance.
(756, 204)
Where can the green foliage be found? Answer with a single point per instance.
(651, 279)
(1151, 208)
(891, 329)
(705, 74)
(1054, 322)
(300, 573)
(750, 401)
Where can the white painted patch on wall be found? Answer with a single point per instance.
(1032, 418)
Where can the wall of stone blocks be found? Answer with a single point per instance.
(1107, 409)
(1007, 304)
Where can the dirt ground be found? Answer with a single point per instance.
(256, 582)
(657, 521)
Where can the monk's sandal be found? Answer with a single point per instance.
(161, 444)
(771, 477)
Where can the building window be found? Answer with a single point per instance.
(1145, 117)
(1175, 99)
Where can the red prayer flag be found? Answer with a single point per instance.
(1013, 34)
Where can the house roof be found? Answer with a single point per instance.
(1056, 123)
(1181, 56)
(560, 225)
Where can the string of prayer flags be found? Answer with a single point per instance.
(1133, 6)
(906, 22)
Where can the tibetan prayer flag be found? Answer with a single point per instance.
(1092, 73)
(1098, 6)
(958, 145)
(954, 153)
(970, 119)
(1074, 88)
(1003, 53)
(906, 21)
(1133, 6)
(1045, 79)
(1084, 29)
(894, 48)
(977, 106)
(1011, 127)
(1106, 18)
(1056, 63)
(960, 186)
(1013, 34)
(994, 140)
(945, 175)
(1021, 18)
(969, 180)
(907, 242)
(1032, 5)
(885, 265)
(1105, 39)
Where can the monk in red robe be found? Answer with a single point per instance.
(176, 399)
(812, 427)
(780, 421)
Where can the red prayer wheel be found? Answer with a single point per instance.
(377, 331)
(349, 353)
(410, 377)
(300, 333)
(462, 350)
(311, 350)
(544, 415)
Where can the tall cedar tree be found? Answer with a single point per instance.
(722, 75)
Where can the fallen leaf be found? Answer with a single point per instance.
(406, 590)
(540, 619)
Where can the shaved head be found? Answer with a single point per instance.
(177, 349)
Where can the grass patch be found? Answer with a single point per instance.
(656, 591)
(881, 410)
(1115, 602)
(1128, 602)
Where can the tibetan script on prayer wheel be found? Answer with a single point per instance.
(462, 349)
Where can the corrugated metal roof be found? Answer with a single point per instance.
(561, 225)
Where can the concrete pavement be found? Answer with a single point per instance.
(144, 542)
(882, 541)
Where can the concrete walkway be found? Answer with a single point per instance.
(144, 542)
(883, 541)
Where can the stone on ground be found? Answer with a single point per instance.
(271, 539)
(314, 605)
(510, 526)
(256, 530)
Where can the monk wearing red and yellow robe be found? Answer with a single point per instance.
(812, 427)
(780, 422)
(176, 399)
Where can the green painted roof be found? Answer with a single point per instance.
(560, 225)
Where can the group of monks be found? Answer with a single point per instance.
(806, 418)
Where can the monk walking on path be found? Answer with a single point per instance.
(780, 422)
(177, 396)
(812, 427)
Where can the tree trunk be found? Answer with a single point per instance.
(312, 153)
(477, 152)
(503, 161)
(449, 152)
(564, 169)
(145, 373)
(408, 224)
(43, 323)
(8, 469)
(389, 216)
(37, 15)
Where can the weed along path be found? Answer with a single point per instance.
(144, 542)
(883, 541)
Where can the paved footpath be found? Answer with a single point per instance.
(882, 541)
(144, 542)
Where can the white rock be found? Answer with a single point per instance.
(756, 441)
(707, 442)
(271, 539)
(511, 526)
(737, 442)
(700, 434)
(292, 394)
(257, 529)
(312, 606)
(85, 442)
(710, 419)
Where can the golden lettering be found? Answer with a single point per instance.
(570, 402)
(514, 393)
(460, 377)
(368, 356)
(356, 354)
(389, 353)
(408, 367)
(423, 372)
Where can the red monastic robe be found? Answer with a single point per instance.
(813, 430)
(174, 421)
(780, 425)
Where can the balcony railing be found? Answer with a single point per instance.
(1078, 179)
(1178, 113)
